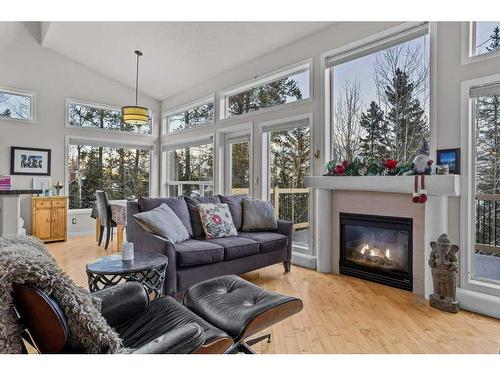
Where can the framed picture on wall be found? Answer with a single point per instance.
(451, 158)
(29, 161)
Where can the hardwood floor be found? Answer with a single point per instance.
(341, 314)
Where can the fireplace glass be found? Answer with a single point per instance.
(377, 248)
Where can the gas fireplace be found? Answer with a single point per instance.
(377, 248)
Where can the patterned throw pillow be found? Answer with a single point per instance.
(216, 220)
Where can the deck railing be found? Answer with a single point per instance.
(289, 204)
(488, 223)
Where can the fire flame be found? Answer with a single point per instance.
(364, 248)
(375, 252)
(387, 253)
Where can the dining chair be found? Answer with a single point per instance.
(106, 221)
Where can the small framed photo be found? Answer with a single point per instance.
(29, 161)
(451, 158)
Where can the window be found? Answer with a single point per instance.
(486, 147)
(485, 37)
(282, 88)
(86, 115)
(288, 162)
(379, 99)
(190, 169)
(17, 105)
(240, 167)
(123, 172)
(194, 116)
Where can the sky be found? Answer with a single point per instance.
(483, 32)
(363, 70)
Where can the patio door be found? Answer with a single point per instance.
(287, 161)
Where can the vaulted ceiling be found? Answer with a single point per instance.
(177, 55)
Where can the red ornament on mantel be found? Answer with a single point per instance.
(390, 164)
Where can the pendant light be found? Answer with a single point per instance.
(135, 115)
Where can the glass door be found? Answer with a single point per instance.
(288, 162)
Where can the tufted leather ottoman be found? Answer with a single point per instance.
(239, 308)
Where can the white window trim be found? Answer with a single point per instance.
(189, 142)
(223, 160)
(69, 101)
(468, 44)
(304, 65)
(467, 211)
(186, 107)
(280, 124)
(376, 42)
(33, 104)
(69, 139)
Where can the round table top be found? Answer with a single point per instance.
(113, 264)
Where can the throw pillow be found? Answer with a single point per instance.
(192, 203)
(258, 215)
(216, 220)
(235, 207)
(163, 222)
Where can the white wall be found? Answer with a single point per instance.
(24, 64)
(449, 74)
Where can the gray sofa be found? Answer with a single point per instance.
(198, 259)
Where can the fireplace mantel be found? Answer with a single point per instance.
(442, 185)
(439, 189)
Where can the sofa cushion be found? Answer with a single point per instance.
(237, 247)
(216, 220)
(258, 215)
(268, 241)
(163, 222)
(178, 205)
(235, 207)
(194, 215)
(194, 252)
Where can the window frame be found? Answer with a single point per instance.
(69, 101)
(33, 104)
(191, 142)
(468, 37)
(467, 208)
(192, 105)
(282, 124)
(105, 142)
(290, 70)
(363, 47)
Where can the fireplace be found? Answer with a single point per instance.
(377, 248)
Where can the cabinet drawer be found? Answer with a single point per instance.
(59, 203)
(42, 203)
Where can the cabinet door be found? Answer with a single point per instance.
(58, 222)
(43, 218)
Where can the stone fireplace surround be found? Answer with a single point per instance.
(386, 196)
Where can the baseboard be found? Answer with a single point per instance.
(304, 260)
(479, 302)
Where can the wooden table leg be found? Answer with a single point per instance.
(97, 228)
(119, 237)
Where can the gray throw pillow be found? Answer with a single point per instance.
(163, 222)
(258, 215)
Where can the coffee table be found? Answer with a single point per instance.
(147, 269)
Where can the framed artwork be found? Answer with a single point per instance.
(29, 161)
(451, 158)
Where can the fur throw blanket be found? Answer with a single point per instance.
(25, 259)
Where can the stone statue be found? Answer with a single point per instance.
(443, 261)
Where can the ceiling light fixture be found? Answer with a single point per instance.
(135, 115)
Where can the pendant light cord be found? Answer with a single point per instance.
(138, 53)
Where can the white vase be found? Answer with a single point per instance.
(128, 251)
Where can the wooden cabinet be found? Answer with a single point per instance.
(49, 217)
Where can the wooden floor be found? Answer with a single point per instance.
(341, 314)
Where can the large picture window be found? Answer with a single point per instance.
(84, 115)
(16, 105)
(380, 102)
(123, 172)
(287, 87)
(198, 115)
(486, 151)
(190, 170)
